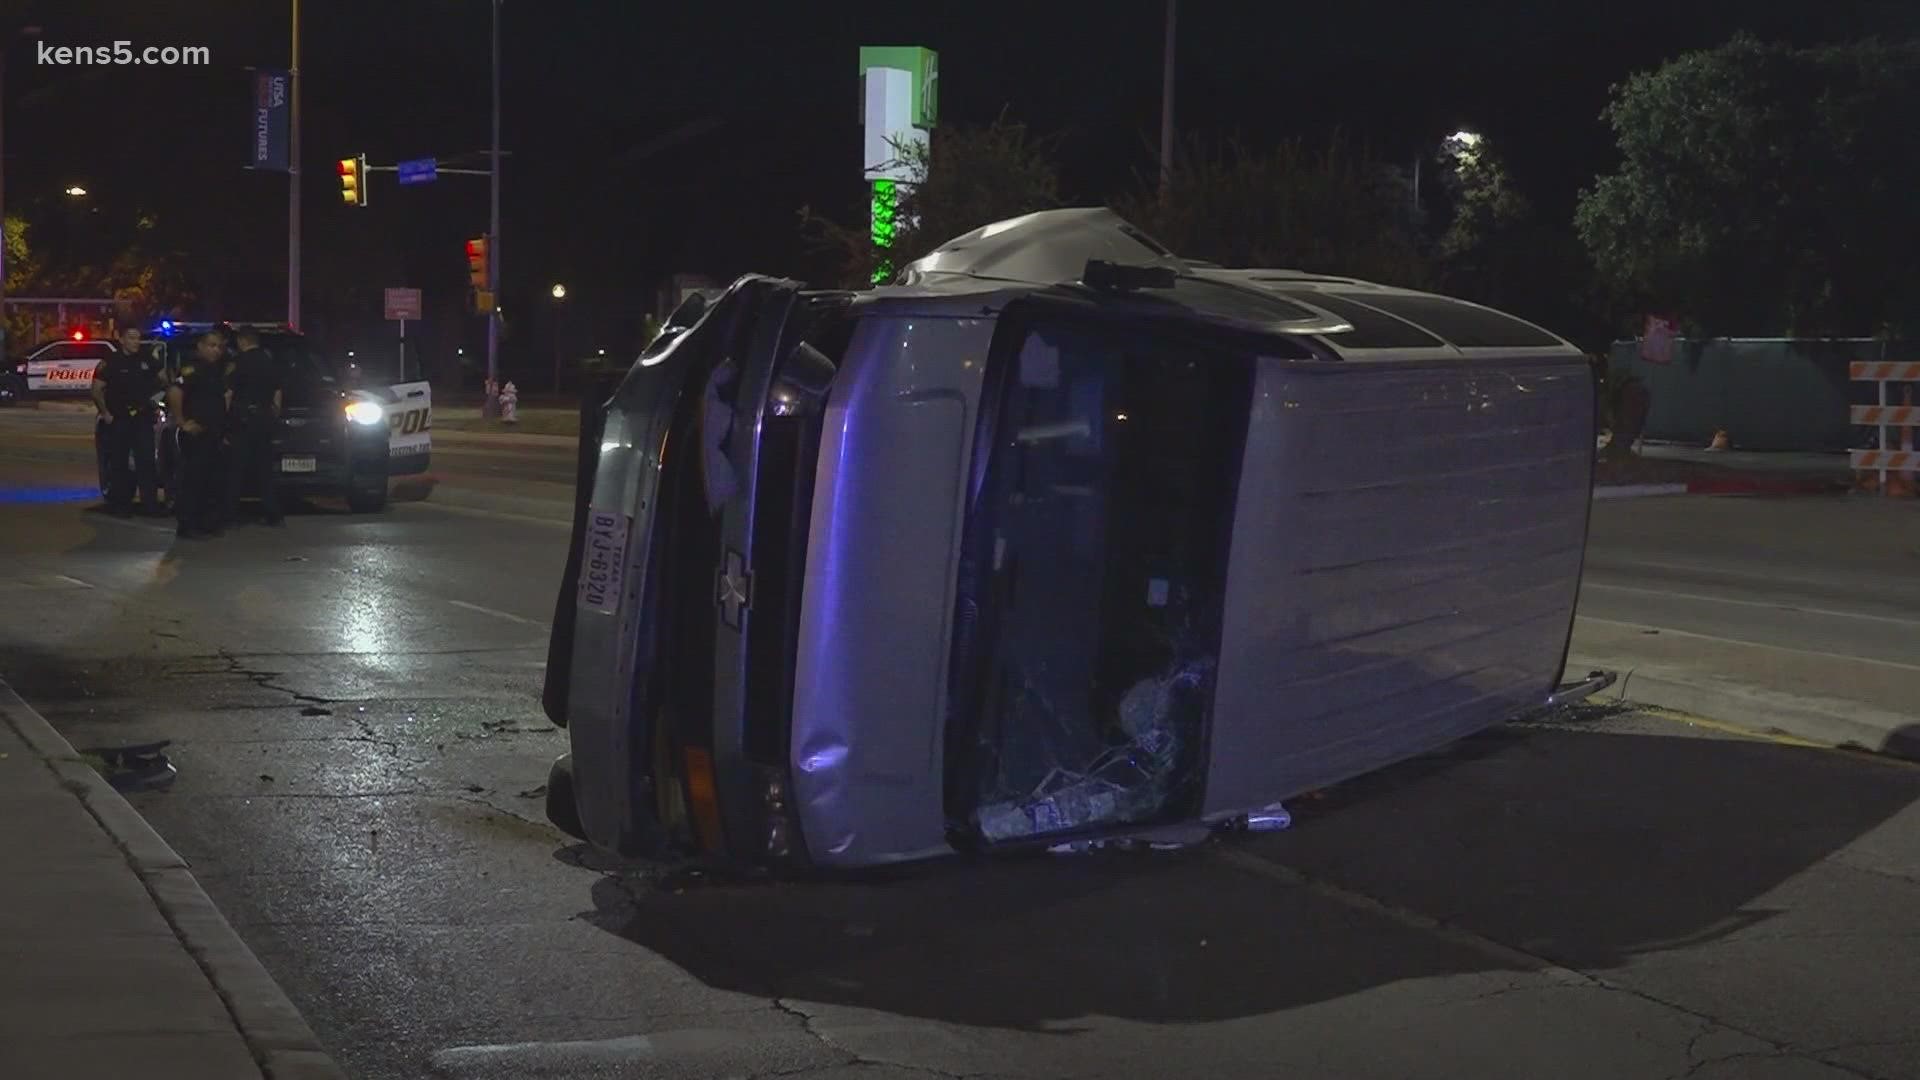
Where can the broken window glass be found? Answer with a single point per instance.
(1092, 581)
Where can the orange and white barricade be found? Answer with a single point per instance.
(1891, 463)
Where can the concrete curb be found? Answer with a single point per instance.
(547, 511)
(1830, 721)
(452, 437)
(1635, 491)
(1782, 486)
(281, 1042)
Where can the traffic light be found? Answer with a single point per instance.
(353, 187)
(477, 274)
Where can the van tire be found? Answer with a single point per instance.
(562, 810)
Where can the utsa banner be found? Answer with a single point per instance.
(271, 115)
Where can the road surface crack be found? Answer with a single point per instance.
(265, 680)
(853, 1058)
(1509, 954)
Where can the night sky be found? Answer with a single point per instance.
(602, 194)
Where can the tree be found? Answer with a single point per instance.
(1765, 189)
(964, 178)
(1496, 249)
(1332, 209)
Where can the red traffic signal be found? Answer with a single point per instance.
(353, 187)
(477, 262)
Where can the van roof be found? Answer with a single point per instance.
(1351, 318)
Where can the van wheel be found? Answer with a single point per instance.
(562, 810)
(367, 500)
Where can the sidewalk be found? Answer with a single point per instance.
(113, 962)
(1831, 700)
(1789, 615)
(1669, 469)
(533, 420)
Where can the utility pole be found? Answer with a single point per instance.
(6, 39)
(1166, 108)
(293, 179)
(493, 231)
(8, 35)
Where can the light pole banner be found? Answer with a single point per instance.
(271, 116)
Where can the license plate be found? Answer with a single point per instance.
(603, 560)
(296, 464)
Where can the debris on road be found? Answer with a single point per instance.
(140, 767)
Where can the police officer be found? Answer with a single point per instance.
(123, 389)
(257, 385)
(199, 397)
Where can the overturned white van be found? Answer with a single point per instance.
(1061, 538)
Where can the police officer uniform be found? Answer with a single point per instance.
(257, 382)
(129, 380)
(203, 401)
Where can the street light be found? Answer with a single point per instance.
(559, 292)
(77, 191)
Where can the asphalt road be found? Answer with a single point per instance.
(354, 715)
(1838, 576)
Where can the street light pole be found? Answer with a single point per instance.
(493, 229)
(1166, 108)
(293, 178)
(559, 293)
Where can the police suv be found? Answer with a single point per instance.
(336, 437)
(61, 368)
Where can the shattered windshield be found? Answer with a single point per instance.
(1092, 581)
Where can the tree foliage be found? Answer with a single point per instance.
(1329, 209)
(110, 260)
(1497, 249)
(964, 178)
(1765, 189)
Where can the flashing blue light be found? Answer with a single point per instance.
(166, 326)
(32, 495)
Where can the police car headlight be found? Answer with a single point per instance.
(366, 412)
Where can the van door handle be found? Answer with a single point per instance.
(416, 393)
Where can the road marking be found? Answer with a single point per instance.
(530, 519)
(498, 614)
(1753, 644)
(144, 526)
(1828, 612)
(681, 1052)
(75, 580)
(625, 1049)
(1672, 716)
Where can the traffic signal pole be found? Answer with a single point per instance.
(293, 178)
(493, 234)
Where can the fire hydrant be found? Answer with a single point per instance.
(509, 400)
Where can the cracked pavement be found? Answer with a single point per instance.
(353, 709)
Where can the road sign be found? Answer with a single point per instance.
(418, 171)
(403, 304)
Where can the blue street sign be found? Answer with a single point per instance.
(418, 171)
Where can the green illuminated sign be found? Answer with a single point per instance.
(923, 64)
(884, 214)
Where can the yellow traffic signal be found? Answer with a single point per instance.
(353, 188)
